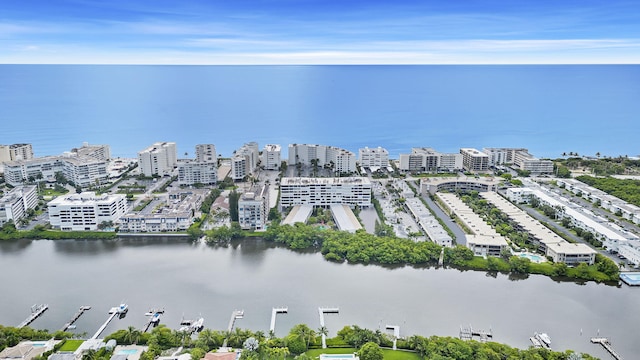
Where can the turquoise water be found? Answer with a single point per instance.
(127, 352)
(337, 356)
(532, 257)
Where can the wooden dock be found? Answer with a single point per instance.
(75, 317)
(36, 311)
(274, 312)
(468, 333)
(607, 346)
(321, 312)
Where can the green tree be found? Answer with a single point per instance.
(370, 351)
(519, 265)
(234, 197)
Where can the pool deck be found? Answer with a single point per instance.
(630, 278)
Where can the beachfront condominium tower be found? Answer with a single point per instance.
(158, 159)
(271, 158)
(206, 153)
(474, 160)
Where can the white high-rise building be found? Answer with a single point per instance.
(80, 170)
(85, 211)
(342, 161)
(271, 157)
(98, 152)
(426, 159)
(14, 205)
(519, 158)
(206, 153)
(158, 159)
(194, 172)
(15, 152)
(253, 209)
(373, 157)
(245, 160)
(474, 160)
(351, 191)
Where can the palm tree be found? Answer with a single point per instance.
(132, 336)
(304, 333)
(90, 354)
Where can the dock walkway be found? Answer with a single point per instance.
(75, 317)
(321, 312)
(236, 314)
(36, 311)
(467, 333)
(274, 312)
(607, 346)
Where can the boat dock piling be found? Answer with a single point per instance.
(321, 312)
(36, 311)
(75, 317)
(236, 314)
(274, 312)
(396, 334)
(467, 333)
(607, 346)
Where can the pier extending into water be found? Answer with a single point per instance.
(36, 311)
(274, 312)
(112, 313)
(607, 346)
(467, 333)
(321, 312)
(75, 317)
(236, 314)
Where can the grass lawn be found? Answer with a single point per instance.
(52, 192)
(71, 345)
(388, 354)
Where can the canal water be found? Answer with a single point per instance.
(192, 280)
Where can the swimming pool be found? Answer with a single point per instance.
(337, 356)
(533, 257)
(127, 352)
(631, 278)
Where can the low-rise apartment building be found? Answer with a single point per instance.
(176, 215)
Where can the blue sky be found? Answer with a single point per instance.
(319, 32)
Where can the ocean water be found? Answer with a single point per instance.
(549, 109)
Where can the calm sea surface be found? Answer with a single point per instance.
(548, 109)
(193, 280)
